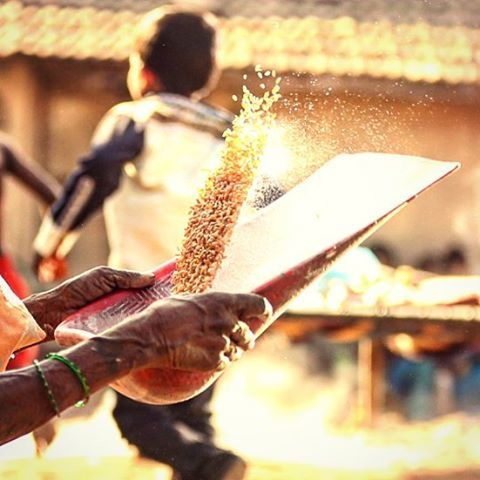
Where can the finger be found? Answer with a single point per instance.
(204, 353)
(222, 364)
(220, 325)
(130, 279)
(243, 336)
(222, 352)
(208, 310)
(251, 305)
(233, 352)
(228, 343)
(45, 274)
(59, 267)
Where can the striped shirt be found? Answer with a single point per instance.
(147, 160)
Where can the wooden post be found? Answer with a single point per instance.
(371, 380)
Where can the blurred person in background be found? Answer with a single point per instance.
(148, 159)
(14, 162)
(429, 263)
(385, 254)
(454, 262)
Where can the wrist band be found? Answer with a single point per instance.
(77, 372)
(51, 398)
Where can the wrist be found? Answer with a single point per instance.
(101, 361)
(120, 352)
(140, 339)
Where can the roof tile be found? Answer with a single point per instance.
(433, 12)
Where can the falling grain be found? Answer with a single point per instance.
(217, 209)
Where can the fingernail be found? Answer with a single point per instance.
(250, 336)
(224, 362)
(268, 310)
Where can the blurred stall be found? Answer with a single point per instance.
(412, 314)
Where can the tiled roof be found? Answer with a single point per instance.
(78, 33)
(435, 12)
(343, 45)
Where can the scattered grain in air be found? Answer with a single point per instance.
(260, 75)
(235, 98)
(258, 68)
(262, 86)
(267, 73)
(217, 209)
(245, 76)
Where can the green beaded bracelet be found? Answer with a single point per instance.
(77, 372)
(51, 398)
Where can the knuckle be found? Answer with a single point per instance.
(104, 270)
(223, 342)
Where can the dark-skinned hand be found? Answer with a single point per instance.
(201, 332)
(51, 307)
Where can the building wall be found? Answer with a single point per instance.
(79, 95)
(325, 117)
(52, 109)
(22, 115)
(446, 215)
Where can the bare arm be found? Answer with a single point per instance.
(24, 404)
(194, 332)
(28, 172)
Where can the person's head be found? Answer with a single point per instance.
(384, 253)
(174, 52)
(454, 262)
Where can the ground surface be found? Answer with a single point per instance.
(129, 469)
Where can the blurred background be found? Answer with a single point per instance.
(358, 75)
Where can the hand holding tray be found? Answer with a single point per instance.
(277, 253)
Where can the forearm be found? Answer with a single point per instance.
(65, 215)
(32, 175)
(24, 402)
(40, 182)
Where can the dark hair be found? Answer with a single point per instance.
(453, 255)
(384, 253)
(178, 47)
